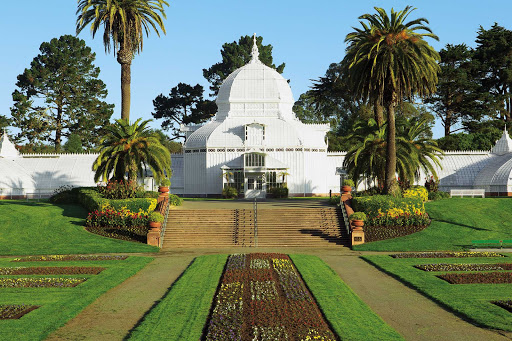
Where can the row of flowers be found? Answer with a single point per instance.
(461, 254)
(15, 311)
(262, 297)
(478, 278)
(40, 282)
(464, 267)
(109, 217)
(48, 270)
(52, 258)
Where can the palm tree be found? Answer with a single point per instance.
(389, 60)
(366, 158)
(129, 149)
(124, 23)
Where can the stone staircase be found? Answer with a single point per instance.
(301, 227)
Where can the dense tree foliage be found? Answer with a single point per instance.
(236, 55)
(184, 105)
(73, 144)
(61, 94)
(128, 149)
(388, 60)
(124, 22)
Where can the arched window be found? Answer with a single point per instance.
(254, 134)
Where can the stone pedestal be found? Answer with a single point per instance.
(357, 236)
(153, 237)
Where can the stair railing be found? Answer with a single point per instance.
(255, 206)
(345, 218)
(164, 225)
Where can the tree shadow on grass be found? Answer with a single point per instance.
(70, 210)
(463, 225)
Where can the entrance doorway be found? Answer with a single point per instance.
(255, 187)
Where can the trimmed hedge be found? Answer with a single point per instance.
(372, 204)
(89, 198)
(175, 200)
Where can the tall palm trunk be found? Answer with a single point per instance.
(378, 111)
(391, 185)
(124, 57)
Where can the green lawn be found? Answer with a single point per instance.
(349, 316)
(455, 223)
(34, 228)
(470, 301)
(58, 305)
(182, 313)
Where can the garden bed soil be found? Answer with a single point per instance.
(462, 254)
(132, 234)
(478, 278)
(376, 233)
(15, 311)
(464, 267)
(55, 270)
(33, 282)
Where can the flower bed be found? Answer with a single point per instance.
(40, 282)
(464, 267)
(504, 304)
(262, 297)
(375, 233)
(478, 278)
(133, 234)
(15, 311)
(51, 258)
(47, 270)
(464, 254)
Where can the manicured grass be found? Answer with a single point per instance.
(58, 305)
(455, 223)
(182, 313)
(348, 315)
(35, 228)
(470, 301)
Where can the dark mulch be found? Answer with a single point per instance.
(375, 233)
(478, 278)
(504, 304)
(133, 234)
(15, 311)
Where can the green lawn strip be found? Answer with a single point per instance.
(455, 223)
(183, 311)
(37, 228)
(469, 301)
(59, 305)
(348, 315)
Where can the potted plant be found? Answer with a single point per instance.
(164, 186)
(357, 219)
(155, 219)
(347, 186)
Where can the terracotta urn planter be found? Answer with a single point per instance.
(154, 224)
(346, 189)
(358, 223)
(163, 189)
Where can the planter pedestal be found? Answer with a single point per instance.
(357, 236)
(153, 237)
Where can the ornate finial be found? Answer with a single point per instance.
(255, 54)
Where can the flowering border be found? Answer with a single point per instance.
(15, 311)
(464, 267)
(261, 296)
(45, 282)
(51, 270)
(462, 254)
(53, 258)
(478, 278)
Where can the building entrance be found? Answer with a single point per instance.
(255, 187)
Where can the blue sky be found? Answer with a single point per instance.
(306, 35)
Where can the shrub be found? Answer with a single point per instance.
(119, 189)
(229, 192)
(175, 200)
(431, 184)
(140, 205)
(279, 192)
(417, 192)
(357, 216)
(165, 183)
(438, 195)
(348, 182)
(89, 198)
(385, 210)
(64, 195)
(155, 217)
(109, 217)
(334, 200)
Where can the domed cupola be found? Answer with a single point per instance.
(255, 90)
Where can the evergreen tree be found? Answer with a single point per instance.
(73, 144)
(61, 94)
(184, 105)
(236, 55)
